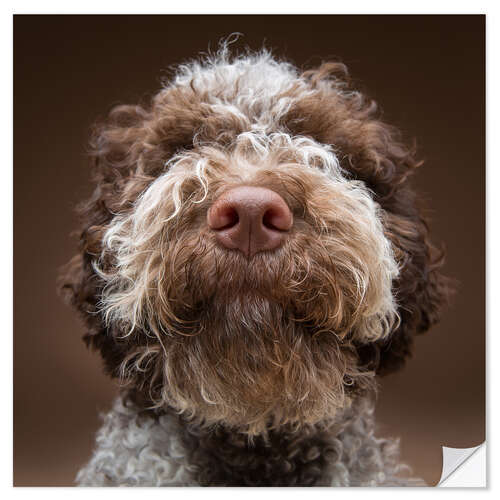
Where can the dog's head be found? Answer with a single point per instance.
(252, 253)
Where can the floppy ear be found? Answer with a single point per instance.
(128, 151)
(80, 287)
(370, 150)
(115, 155)
(421, 290)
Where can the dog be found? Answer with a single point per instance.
(252, 258)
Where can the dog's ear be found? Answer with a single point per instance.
(115, 154)
(386, 166)
(128, 150)
(80, 287)
(369, 150)
(421, 290)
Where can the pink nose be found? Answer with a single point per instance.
(250, 219)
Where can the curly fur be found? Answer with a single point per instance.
(138, 448)
(270, 355)
(168, 277)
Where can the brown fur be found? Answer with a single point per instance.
(258, 352)
(374, 154)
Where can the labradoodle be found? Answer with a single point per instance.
(251, 259)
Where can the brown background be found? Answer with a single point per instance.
(428, 74)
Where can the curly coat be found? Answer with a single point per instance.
(276, 353)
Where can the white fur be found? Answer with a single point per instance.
(136, 450)
(260, 80)
(140, 289)
(136, 238)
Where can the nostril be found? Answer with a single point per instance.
(228, 218)
(277, 219)
(271, 219)
(223, 217)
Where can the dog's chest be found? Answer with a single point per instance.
(136, 448)
(224, 459)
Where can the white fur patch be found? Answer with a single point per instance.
(132, 450)
(135, 450)
(249, 86)
(139, 239)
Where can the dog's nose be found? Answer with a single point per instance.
(250, 219)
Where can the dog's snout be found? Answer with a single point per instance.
(250, 219)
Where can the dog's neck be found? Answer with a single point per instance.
(282, 458)
(141, 447)
(221, 456)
